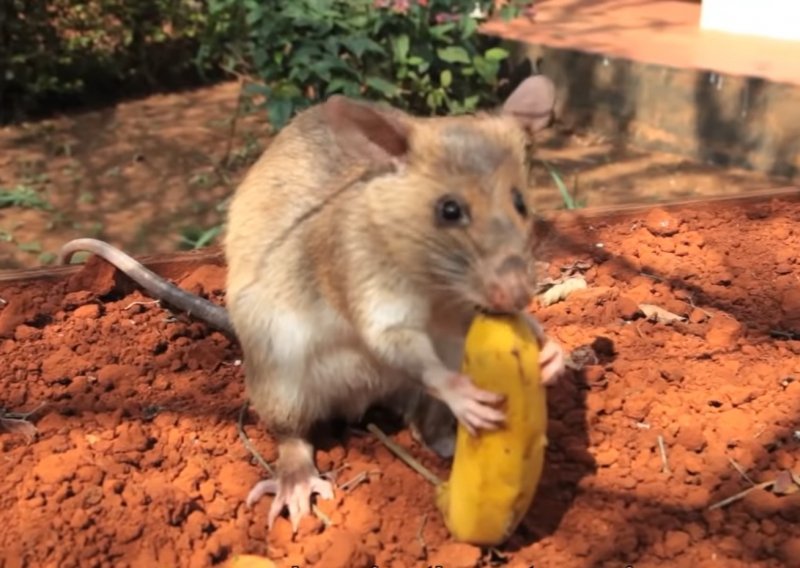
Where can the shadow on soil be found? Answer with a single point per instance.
(760, 317)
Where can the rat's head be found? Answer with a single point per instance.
(455, 209)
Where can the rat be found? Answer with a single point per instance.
(359, 247)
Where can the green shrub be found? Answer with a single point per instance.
(63, 52)
(423, 56)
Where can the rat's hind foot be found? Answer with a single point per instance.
(294, 494)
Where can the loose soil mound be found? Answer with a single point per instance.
(137, 460)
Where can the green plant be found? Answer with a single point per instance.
(73, 51)
(424, 56)
(566, 196)
(195, 237)
(22, 196)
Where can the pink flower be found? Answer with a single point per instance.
(401, 6)
(444, 17)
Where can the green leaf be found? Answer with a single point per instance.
(496, 54)
(400, 47)
(358, 45)
(486, 69)
(471, 103)
(562, 188)
(453, 54)
(383, 86)
(340, 85)
(468, 28)
(446, 78)
(207, 236)
(250, 89)
(279, 111)
(440, 32)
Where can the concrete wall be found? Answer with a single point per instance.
(724, 120)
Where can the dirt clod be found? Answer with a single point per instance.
(661, 223)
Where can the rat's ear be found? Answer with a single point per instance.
(377, 134)
(532, 102)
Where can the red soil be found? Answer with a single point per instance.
(137, 460)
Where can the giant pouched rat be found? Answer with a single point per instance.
(359, 247)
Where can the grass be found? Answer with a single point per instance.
(23, 196)
(566, 196)
(196, 238)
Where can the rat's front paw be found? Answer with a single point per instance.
(552, 362)
(470, 405)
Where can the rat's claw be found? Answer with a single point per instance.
(470, 405)
(296, 497)
(264, 487)
(552, 362)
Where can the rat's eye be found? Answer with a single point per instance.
(519, 202)
(450, 211)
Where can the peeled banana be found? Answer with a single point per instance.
(495, 474)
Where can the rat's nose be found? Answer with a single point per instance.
(509, 290)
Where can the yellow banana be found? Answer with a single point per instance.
(495, 474)
(250, 561)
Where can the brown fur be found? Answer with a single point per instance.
(344, 287)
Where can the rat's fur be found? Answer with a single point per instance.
(343, 287)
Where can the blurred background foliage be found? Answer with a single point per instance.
(422, 55)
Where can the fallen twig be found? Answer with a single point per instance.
(326, 520)
(652, 276)
(781, 334)
(403, 455)
(358, 479)
(420, 536)
(248, 444)
(663, 452)
(741, 471)
(150, 303)
(741, 495)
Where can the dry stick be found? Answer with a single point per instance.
(741, 495)
(663, 452)
(234, 122)
(401, 453)
(420, 536)
(358, 479)
(260, 459)
(741, 471)
(129, 306)
(246, 441)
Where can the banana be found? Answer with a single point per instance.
(495, 474)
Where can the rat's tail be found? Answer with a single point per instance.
(156, 285)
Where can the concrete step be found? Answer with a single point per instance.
(644, 72)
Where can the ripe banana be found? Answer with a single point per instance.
(495, 475)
